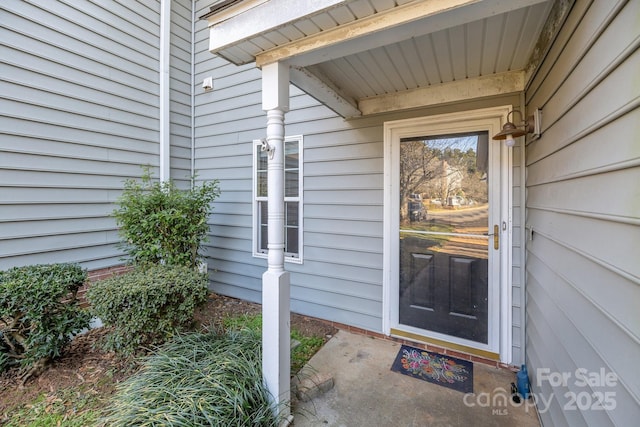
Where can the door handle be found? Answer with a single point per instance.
(496, 236)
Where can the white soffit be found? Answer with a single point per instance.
(251, 19)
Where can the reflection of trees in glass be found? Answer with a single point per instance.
(441, 169)
(418, 165)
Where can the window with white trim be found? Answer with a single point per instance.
(292, 199)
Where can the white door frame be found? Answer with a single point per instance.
(500, 212)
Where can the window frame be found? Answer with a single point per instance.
(296, 258)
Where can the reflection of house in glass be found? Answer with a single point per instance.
(449, 184)
(452, 175)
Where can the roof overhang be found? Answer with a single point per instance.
(323, 40)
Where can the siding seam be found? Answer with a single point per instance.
(375, 316)
(64, 248)
(80, 113)
(363, 251)
(559, 309)
(536, 360)
(76, 127)
(68, 172)
(341, 293)
(88, 28)
(567, 352)
(79, 83)
(80, 54)
(28, 236)
(606, 71)
(602, 264)
(46, 219)
(143, 26)
(606, 217)
(115, 107)
(612, 167)
(611, 117)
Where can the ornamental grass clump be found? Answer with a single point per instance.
(148, 305)
(39, 313)
(200, 379)
(161, 224)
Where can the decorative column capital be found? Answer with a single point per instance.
(275, 87)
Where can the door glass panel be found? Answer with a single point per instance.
(444, 206)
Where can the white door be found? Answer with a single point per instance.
(447, 229)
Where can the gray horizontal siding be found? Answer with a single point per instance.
(583, 276)
(341, 278)
(78, 116)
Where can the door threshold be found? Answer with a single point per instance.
(445, 344)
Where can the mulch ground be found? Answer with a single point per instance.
(88, 370)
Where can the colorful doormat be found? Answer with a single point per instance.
(442, 370)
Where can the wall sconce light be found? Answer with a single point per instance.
(511, 131)
(207, 83)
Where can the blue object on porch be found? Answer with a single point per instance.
(523, 382)
(447, 371)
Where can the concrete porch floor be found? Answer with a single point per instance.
(367, 393)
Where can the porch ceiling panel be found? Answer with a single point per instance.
(490, 46)
(363, 49)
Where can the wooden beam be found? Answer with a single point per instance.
(322, 89)
(461, 90)
(383, 28)
(260, 17)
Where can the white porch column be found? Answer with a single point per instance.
(276, 345)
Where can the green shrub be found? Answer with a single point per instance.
(39, 312)
(162, 224)
(201, 379)
(147, 305)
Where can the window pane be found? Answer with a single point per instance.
(264, 210)
(291, 155)
(262, 183)
(262, 221)
(262, 159)
(264, 238)
(291, 245)
(291, 213)
(261, 173)
(291, 183)
(291, 166)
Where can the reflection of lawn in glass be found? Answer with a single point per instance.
(426, 226)
(455, 244)
(426, 241)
